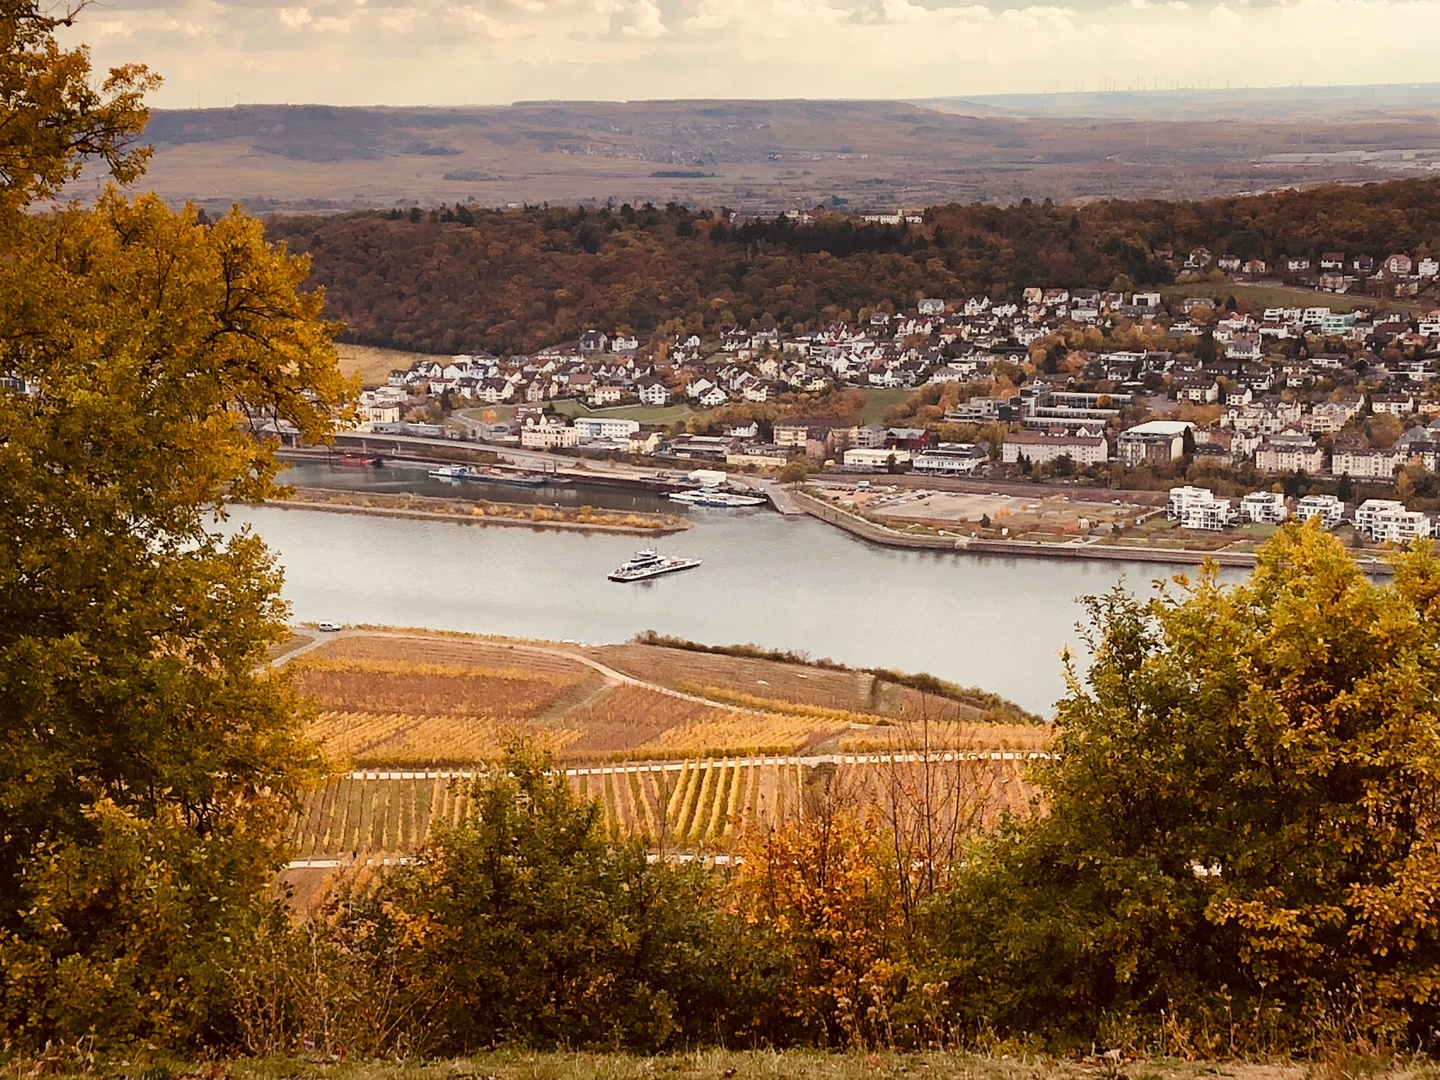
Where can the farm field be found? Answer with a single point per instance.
(688, 750)
(519, 1064)
(701, 805)
(373, 364)
(426, 701)
(789, 687)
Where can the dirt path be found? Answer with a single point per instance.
(611, 676)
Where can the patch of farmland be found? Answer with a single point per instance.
(914, 736)
(419, 647)
(430, 741)
(427, 701)
(848, 691)
(706, 804)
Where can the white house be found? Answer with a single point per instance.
(1039, 448)
(1265, 507)
(1400, 526)
(1327, 508)
(1366, 464)
(875, 459)
(1388, 520)
(653, 392)
(1198, 508)
(547, 436)
(952, 459)
(594, 428)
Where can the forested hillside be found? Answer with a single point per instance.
(467, 279)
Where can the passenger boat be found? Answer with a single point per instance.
(712, 497)
(649, 563)
(451, 472)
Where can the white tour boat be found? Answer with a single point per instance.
(711, 497)
(648, 564)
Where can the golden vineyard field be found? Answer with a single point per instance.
(690, 750)
(417, 701)
(687, 806)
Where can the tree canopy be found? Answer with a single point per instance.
(142, 746)
(470, 278)
(1241, 817)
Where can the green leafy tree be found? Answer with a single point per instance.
(1241, 829)
(526, 924)
(144, 752)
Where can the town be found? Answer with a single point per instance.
(1199, 389)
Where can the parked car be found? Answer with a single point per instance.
(329, 627)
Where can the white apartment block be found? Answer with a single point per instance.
(548, 436)
(1327, 508)
(1038, 448)
(1392, 523)
(1212, 514)
(1387, 519)
(1290, 453)
(593, 428)
(1264, 507)
(1184, 499)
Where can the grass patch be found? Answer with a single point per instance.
(1267, 296)
(877, 401)
(374, 364)
(735, 1065)
(645, 414)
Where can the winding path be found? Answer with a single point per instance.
(611, 676)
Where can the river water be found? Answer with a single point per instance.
(791, 583)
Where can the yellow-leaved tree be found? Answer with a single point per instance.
(146, 760)
(1242, 843)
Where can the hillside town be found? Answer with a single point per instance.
(1053, 383)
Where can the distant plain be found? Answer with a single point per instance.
(767, 156)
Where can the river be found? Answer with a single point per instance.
(791, 583)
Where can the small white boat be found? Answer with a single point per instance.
(649, 563)
(450, 472)
(712, 497)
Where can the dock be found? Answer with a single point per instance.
(780, 497)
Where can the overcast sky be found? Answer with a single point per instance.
(404, 52)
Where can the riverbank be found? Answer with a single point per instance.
(470, 512)
(934, 540)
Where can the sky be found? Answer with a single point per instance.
(485, 52)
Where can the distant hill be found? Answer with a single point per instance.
(467, 280)
(764, 156)
(1286, 104)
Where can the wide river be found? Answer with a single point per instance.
(790, 583)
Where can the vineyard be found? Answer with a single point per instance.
(690, 751)
(417, 701)
(701, 805)
(776, 684)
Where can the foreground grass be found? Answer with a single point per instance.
(736, 1065)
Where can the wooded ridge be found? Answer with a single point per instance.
(463, 278)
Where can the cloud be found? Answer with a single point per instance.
(484, 51)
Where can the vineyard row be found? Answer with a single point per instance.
(693, 805)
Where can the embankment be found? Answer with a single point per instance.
(880, 534)
(466, 512)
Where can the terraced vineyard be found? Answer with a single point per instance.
(691, 751)
(416, 701)
(701, 805)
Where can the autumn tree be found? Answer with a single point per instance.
(526, 924)
(820, 888)
(1241, 841)
(146, 760)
